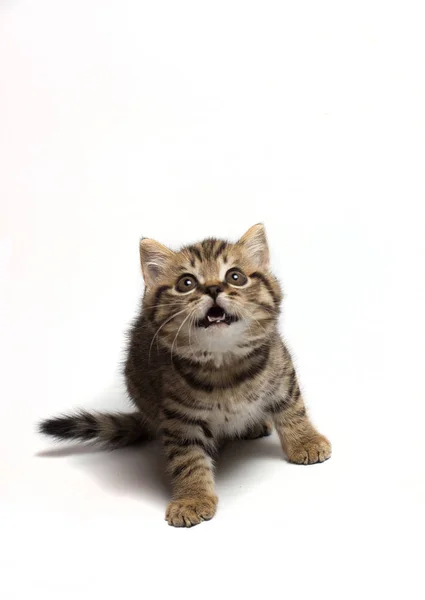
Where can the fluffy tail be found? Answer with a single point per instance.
(113, 430)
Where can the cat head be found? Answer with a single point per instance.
(211, 296)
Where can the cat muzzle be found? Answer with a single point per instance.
(216, 317)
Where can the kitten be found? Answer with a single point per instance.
(205, 362)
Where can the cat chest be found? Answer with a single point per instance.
(233, 418)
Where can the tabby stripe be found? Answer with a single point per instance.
(175, 414)
(188, 404)
(170, 434)
(268, 307)
(192, 381)
(183, 442)
(207, 431)
(119, 432)
(220, 250)
(181, 452)
(177, 452)
(252, 372)
(208, 247)
(194, 250)
(157, 298)
(291, 389)
(286, 400)
(249, 373)
(267, 283)
(278, 407)
(189, 363)
(194, 470)
(256, 351)
(251, 344)
(179, 470)
(189, 466)
(178, 416)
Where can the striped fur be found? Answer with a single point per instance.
(205, 363)
(114, 430)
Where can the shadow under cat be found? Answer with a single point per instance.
(139, 470)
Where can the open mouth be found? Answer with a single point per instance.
(215, 317)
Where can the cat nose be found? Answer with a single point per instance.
(213, 291)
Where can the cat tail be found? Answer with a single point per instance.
(113, 430)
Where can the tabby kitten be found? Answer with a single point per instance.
(205, 362)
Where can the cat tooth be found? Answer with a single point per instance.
(215, 319)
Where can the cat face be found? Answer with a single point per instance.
(211, 296)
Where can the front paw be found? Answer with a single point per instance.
(187, 512)
(310, 450)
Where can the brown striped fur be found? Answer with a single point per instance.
(195, 386)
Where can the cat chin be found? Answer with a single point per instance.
(220, 338)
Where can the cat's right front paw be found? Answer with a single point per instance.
(187, 512)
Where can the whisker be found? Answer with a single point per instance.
(246, 311)
(240, 315)
(178, 331)
(191, 323)
(163, 325)
(169, 304)
(267, 308)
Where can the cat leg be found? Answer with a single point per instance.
(188, 451)
(301, 442)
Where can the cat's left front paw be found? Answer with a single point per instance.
(310, 450)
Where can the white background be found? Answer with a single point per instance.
(178, 120)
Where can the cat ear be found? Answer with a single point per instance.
(154, 258)
(254, 244)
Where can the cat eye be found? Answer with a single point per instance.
(186, 283)
(236, 277)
